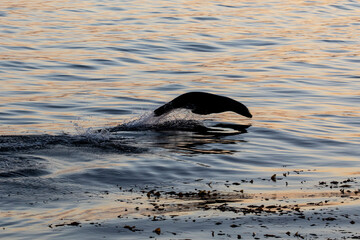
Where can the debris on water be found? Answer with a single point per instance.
(172, 205)
(298, 235)
(132, 228)
(65, 224)
(271, 236)
(157, 231)
(273, 178)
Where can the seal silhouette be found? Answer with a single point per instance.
(204, 103)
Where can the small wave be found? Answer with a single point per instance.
(23, 173)
(16, 166)
(23, 142)
(91, 139)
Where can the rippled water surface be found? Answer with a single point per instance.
(70, 70)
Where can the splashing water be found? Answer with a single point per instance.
(181, 119)
(91, 134)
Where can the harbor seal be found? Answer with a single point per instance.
(204, 103)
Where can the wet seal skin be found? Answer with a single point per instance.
(204, 103)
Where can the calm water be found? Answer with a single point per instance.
(69, 67)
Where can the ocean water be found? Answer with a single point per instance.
(72, 70)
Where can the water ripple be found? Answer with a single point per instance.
(71, 71)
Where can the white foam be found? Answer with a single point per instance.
(148, 119)
(90, 133)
